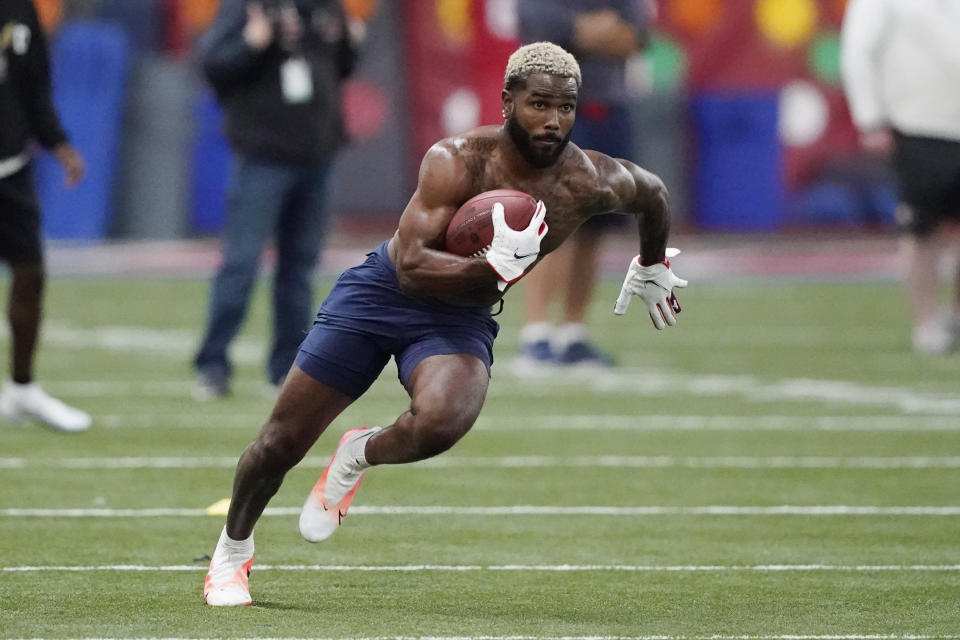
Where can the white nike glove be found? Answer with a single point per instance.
(655, 285)
(512, 251)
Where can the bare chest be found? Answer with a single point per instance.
(570, 200)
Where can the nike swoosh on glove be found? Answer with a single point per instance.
(512, 251)
(655, 284)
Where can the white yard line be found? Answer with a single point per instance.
(462, 568)
(799, 636)
(637, 383)
(516, 510)
(577, 422)
(520, 462)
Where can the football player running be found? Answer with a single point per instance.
(431, 310)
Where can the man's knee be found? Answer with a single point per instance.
(276, 450)
(439, 428)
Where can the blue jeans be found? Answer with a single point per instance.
(267, 199)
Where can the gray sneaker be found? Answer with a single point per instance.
(210, 386)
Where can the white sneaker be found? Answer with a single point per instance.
(228, 579)
(326, 505)
(932, 338)
(21, 401)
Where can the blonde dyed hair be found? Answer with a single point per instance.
(540, 57)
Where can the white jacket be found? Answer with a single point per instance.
(901, 65)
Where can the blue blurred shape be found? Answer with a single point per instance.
(89, 64)
(211, 166)
(739, 182)
(882, 201)
(829, 204)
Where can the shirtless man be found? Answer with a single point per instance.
(431, 309)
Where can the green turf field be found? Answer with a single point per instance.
(778, 466)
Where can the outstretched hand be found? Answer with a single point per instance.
(74, 168)
(258, 31)
(655, 284)
(513, 251)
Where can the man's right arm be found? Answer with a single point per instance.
(601, 32)
(424, 268)
(862, 35)
(227, 57)
(546, 20)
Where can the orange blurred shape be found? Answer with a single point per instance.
(50, 13)
(454, 19)
(196, 15)
(695, 16)
(360, 9)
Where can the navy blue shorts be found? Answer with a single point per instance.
(366, 318)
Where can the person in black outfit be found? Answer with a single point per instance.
(276, 69)
(27, 114)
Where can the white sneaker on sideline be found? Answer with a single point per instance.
(326, 505)
(22, 401)
(228, 579)
(932, 339)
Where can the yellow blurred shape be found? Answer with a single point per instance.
(786, 23)
(218, 508)
(454, 19)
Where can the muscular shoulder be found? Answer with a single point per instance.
(626, 181)
(457, 164)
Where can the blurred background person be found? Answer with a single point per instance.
(603, 35)
(901, 72)
(276, 67)
(27, 114)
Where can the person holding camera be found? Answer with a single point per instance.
(276, 68)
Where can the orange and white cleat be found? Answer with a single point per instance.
(228, 579)
(326, 506)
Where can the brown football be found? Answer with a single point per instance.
(470, 231)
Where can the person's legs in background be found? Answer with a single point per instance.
(24, 310)
(20, 246)
(922, 255)
(540, 287)
(254, 202)
(569, 274)
(928, 170)
(954, 313)
(300, 233)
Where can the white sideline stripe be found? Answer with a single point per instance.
(172, 343)
(585, 422)
(413, 568)
(635, 382)
(521, 462)
(521, 510)
(650, 637)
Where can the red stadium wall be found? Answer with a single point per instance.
(787, 50)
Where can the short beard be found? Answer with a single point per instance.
(524, 142)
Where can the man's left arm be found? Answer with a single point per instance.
(35, 86)
(649, 274)
(44, 122)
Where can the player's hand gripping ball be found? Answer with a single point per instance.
(470, 231)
